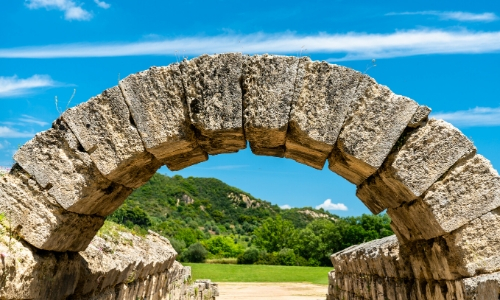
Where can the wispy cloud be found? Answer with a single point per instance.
(285, 206)
(452, 15)
(328, 205)
(72, 11)
(475, 117)
(14, 86)
(349, 46)
(32, 120)
(102, 4)
(7, 132)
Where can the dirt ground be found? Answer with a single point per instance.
(273, 290)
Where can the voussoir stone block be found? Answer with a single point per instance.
(57, 161)
(375, 123)
(214, 99)
(104, 128)
(471, 250)
(426, 155)
(269, 91)
(37, 217)
(467, 191)
(325, 95)
(157, 103)
(420, 116)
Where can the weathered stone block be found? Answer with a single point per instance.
(157, 103)
(426, 155)
(269, 91)
(38, 218)
(324, 98)
(377, 120)
(214, 99)
(378, 257)
(103, 127)
(468, 251)
(58, 163)
(469, 190)
(420, 117)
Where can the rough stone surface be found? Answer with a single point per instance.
(157, 103)
(420, 116)
(116, 266)
(214, 99)
(425, 156)
(103, 127)
(376, 121)
(36, 217)
(269, 92)
(325, 96)
(468, 191)
(55, 159)
(380, 257)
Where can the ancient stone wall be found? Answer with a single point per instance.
(115, 266)
(443, 198)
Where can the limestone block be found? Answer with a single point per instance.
(26, 273)
(377, 120)
(425, 156)
(183, 160)
(420, 116)
(378, 257)
(482, 287)
(469, 190)
(158, 106)
(56, 160)
(324, 99)
(104, 128)
(214, 99)
(269, 91)
(468, 251)
(111, 260)
(37, 217)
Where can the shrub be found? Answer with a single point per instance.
(195, 253)
(287, 257)
(250, 256)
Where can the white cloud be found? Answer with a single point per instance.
(285, 206)
(71, 10)
(453, 15)
(32, 120)
(349, 46)
(6, 132)
(475, 117)
(14, 86)
(328, 205)
(102, 4)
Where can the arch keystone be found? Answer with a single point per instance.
(214, 100)
(269, 90)
(103, 126)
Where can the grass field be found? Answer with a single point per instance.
(259, 273)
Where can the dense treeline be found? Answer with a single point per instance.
(205, 218)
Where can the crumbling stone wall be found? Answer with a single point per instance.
(443, 198)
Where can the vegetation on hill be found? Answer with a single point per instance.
(206, 218)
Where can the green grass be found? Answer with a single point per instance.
(259, 273)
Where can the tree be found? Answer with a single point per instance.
(195, 253)
(275, 234)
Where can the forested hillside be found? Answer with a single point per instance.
(206, 218)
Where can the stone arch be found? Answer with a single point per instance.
(443, 198)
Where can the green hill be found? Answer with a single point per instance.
(227, 220)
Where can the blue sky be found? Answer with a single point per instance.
(444, 54)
